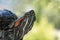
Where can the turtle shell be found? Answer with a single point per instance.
(6, 17)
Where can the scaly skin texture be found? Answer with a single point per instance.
(14, 28)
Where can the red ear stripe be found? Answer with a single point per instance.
(18, 21)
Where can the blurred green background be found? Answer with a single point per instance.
(47, 16)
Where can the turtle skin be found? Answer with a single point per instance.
(8, 20)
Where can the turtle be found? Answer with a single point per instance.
(13, 27)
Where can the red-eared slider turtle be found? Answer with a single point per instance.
(14, 28)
